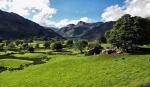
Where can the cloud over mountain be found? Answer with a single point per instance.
(133, 7)
(36, 10)
(65, 22)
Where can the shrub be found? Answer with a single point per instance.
(25, 46)
(18, 42)
(31, 49)
(81, 44)
(57, 46)
(47, 45)
(37, 46)
(11, 46)
(2, 46)
(96, 50)
(69, 43)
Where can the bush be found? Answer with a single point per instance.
(47, 45)
(7, 42)
(18, 42)
(69, 43)
(37, 46)
(2, 46)
(81, 44)
(96, 50)
(11, 46)
(25, 46)
(57, 46)
(31, 49)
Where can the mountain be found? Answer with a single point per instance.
(52, 28)
(13, 26)
(84, 30)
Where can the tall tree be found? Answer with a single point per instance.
(129, 32)
(81, 44)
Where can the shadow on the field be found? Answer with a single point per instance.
(141, 51)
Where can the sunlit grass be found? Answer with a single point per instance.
(82, 71)
(13, 63)
(30, 55)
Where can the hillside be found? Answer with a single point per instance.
(13, 26)
(85, 30)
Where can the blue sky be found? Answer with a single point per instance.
(76, 9)
(59, 13)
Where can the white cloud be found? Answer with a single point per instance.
(133, 7)
(65, 22)
(40, 8)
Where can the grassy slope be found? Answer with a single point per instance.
(29, 55)
(14, 63)
(81, 71)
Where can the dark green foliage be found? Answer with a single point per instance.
(69, 43)
(57, 46)
(37, 46)
(129, 32)
(31, 49)
(95, 50)
(7, 42)
(81, 44)
(30, 41)
(102, 40)
(47, 45)
(11, 46)
(2, 46)
(18, 42)
(25, 46)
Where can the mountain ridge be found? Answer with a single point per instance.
(14, 26)
(83, 30)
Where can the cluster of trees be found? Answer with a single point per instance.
(129, 32)
(55, 45)
(16, 45)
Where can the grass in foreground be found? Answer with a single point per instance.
(13, 63)
(81, 71)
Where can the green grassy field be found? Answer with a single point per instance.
(82, 71)
(14, 63)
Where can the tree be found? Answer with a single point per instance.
(25, 46)
(81, 44)
(37, 46)
(47, 45)
(57, 46)
(69, 43)
(128, 33)
(2, 46)
(31, 49)
(11, 46)
(7, 42)
(95, 50)
(18, 42)
(103, 40)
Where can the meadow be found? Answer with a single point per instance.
(75, 70)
